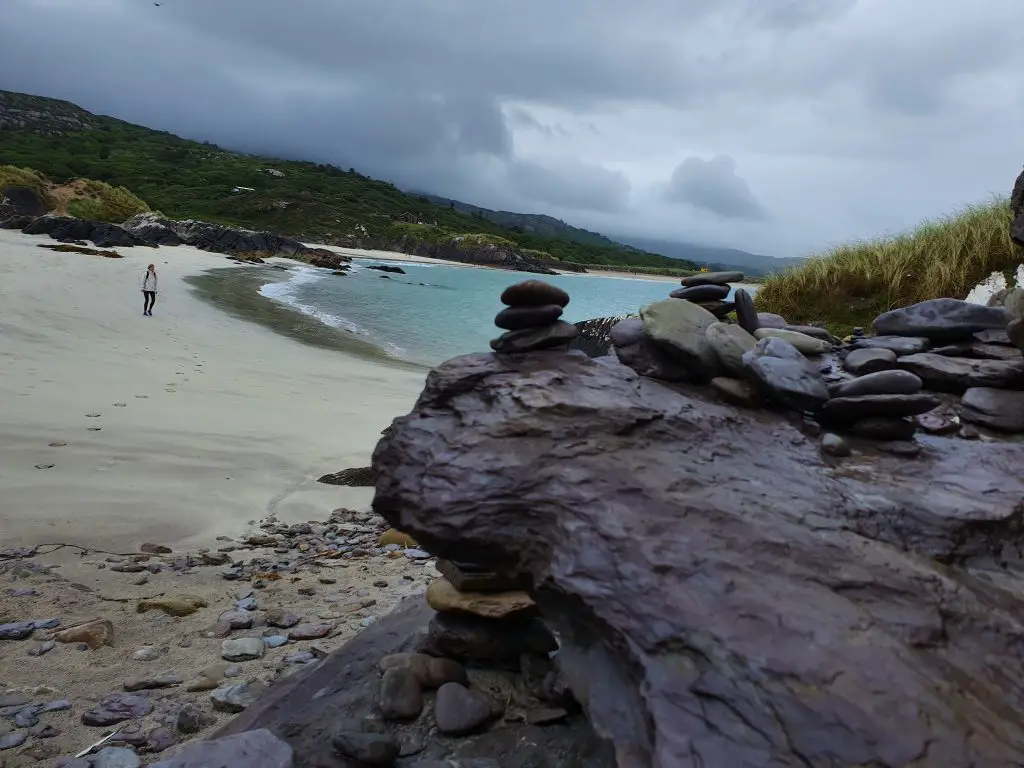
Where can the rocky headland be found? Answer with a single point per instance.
(22, 208)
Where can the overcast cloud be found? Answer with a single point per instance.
(776, 126)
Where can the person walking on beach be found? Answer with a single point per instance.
(149, 290)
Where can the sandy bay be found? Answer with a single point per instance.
(205, 421)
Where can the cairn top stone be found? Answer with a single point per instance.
(534, 293)
(712, 278)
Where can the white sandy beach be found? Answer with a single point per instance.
(205, 421)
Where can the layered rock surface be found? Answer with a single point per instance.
(725, 597)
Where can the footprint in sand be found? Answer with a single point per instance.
(120, 405)
(94, 429)
(142, 397)
(93, 415)
(58, 443)
(45, 466)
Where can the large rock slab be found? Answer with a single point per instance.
(940, 320)
(723, 597)
(958, 374)
(680, 329)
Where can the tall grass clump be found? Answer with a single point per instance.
(108, 203)
(852, 284)
(11, 176)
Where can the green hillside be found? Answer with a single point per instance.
(188, 179)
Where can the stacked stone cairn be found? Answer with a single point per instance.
(942, 366)
(486, 629)
(531, 318)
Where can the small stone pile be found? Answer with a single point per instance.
(483, 620)
(483, 617)
(531, 319)
(709, 290)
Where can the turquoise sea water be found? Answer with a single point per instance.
(435, 312)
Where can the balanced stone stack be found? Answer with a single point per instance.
(710, 291)
(483, 617)
(531, 318)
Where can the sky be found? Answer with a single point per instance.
(776, 126)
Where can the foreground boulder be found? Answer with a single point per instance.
(723, 598)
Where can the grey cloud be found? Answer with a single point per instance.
(570, 185)
(445, 96)
(714, 186)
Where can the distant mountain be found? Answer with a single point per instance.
(527, 223)
(548, 226)
(713, 257)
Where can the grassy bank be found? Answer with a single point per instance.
(852, 284)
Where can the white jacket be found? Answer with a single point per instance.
(149, 282)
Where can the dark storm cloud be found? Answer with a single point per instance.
(714, 186)
(534, 103)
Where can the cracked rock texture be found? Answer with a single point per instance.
(724, 595)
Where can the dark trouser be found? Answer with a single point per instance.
(148, 301)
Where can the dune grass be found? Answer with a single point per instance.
(852, 284)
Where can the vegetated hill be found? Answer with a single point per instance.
(528, 223)
(852, 284)
(716, 258)
(316, 202)
(549, 226)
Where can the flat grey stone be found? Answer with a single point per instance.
(941, 319)
(881, 383)
(958, 374)
(242, 649)
(868, 360)
(999, 409)
(808, 345)
(901, 345)
(252, 749)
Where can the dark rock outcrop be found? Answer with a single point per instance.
(219, 238)
(387, 268)
(101, 234)
(722, 596)
(355, 477)
(21, 201)
(1017, 210)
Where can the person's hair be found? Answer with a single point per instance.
(151, 266)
